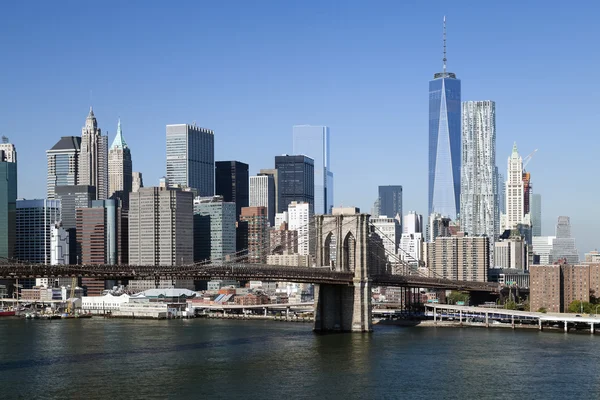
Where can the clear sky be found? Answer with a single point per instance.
(251, 70)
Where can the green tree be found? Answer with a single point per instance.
(456, 296)
(510, 305)
(577, 306)
(542, 310)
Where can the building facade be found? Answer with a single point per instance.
(161, 227)
(388, 229)
(71, 198)
(258, 233)
(262, 194)
(283, 240)
(8, 151)
(232, 182)
(536, 214)
(63, 164)
(313, 141)
(214, 229)
(191, 158)
(300, 218)
(93, 157)
(479, 214)
(411, 249)
(515, 190)
(120, 168)
(444, 142)
(563, 245)
(99, 233)
(59, 245)
(413, 223)
(438, 226)
(35, 219)
(8, 209)
(460, 258)
(390, 201)
(296, 180)
(137, 181)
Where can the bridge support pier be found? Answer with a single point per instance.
(265, 311)
(566, 327)
(591, 328)
(487, 320)
(341, 308)
(460, 316)
(541, 328)
(512, 321)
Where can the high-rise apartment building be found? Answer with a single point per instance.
(460, 258)
(437, 226)
(100, 233)
(313, 141)
(515, 191)
(63, 164)
(231, 182)
(478, 202)
(93, 157)
(413, 223)
(511, 252)
(410, 249)
(283, 240)
(300, 221)
(390, 200)
(191, 158)
(71, 198)
(161, 230)
(444, 142)
(296, 180)
(214, 229)
(535, 209)
(8, 208)
(120, 168)
(388, 229)
(258, 233)
(35, 219)
(262, 194)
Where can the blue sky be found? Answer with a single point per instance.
(252, 70)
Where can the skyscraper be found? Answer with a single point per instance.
(191, 158)
(137, 181)
(444, 142)
(299, 220)
(99, 233)
(161, 230)
(273, 172)
(514, 189)
(120, 167)
(93, 158)
(478, 200)
(71, 198)
(35, 219)
(390, 201)
(536, 214)
(313, 141)
(214, 229)
(296, 175)
(8, 203)
(231, 182)
(258, 233)
(413, 223)
(563, 246)
(262, 194)
(63, 164)
(8, 152)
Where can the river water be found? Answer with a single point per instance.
(133, 359)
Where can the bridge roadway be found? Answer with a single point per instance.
(233, 271)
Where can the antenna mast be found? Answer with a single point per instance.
(444, 59)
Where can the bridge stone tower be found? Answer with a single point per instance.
(343, 243)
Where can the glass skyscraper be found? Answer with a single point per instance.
(35, 219)
(191, 158)
(313, 141)
(63, 164)
(232, 182)
(296, 178)
(8, 208)
(444, 142)
(390, 201)
(536, 214)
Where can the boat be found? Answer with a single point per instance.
(7, 313)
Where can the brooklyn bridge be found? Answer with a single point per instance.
(346, 270)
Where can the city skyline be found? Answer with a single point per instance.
(403, 125)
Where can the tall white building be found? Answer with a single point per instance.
(514, 189)
(411, 248)
(388, 229)
(59, 245)
(262, 194)
(299, 220)
(313, 141)
(413, 223)
(281, 218)
(478, 202)
(542, 247)
(8, 151)
(93, 157)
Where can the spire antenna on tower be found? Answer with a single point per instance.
(444, 59)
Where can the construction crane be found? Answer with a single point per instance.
(528, 158)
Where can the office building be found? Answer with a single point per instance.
(438, 226)
(500, 194)
(563, 245)
(99, 233)
(283, 240)
(296, 180)
(273, 172)
(137, 181)
(161, 230)
(59, 245)
(511, 252)
(232, 182)
(191, 158)
(93, 157)
(8, 151)
(300, 220)
(388, 229)
(515, 194)
(313, 141)
(444, 142)
(258, 233)
(462, 258)
(214, 229)
(71, 198)
(262, 194)
(535, 210)
(8, 208)
(413, 223)
(120, 173)
(390, 201)
(478, 202)
(35, 219)
(411, 249)
(63, 164)
(542, 248)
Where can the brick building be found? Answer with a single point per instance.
(258, 233)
